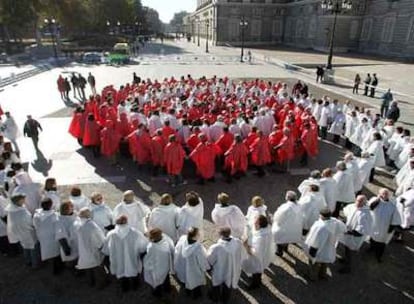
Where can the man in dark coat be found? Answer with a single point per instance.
(394, 112)
(31, 129)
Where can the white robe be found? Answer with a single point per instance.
(20, 226)
(190, 263)
(54, 196)
(79, 202)
(310, 206)
(384, 215)
(191, 216)
(45, 223)
(159, 261)
(287, 224)
(377, 149)
(338, 124)
(357, 219)
(329, 190)
(365, 166)
(253, 212)
(90, 241)
(361, 131)
(406, 209)
(404, 156)
(30, 189)
(350, 126)
(3, 213)
(66, 228)
(136, 213)
(101, 215)
(323, 236)
(11, 131)
(165, 218)
(345, 183)
(230, 216)
(262, 249)
(124, 246)
(352, 168)
(325, 116)
(225, 258)
(303, 188)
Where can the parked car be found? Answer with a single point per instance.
(92, 58)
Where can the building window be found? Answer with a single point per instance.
(256, 28)
(366, 29)
(234, 31)
(353, 31)
(410, 34)
(388, 29)
(299, 29)
(312, 28)
(277, 28)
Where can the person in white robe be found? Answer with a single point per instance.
(78, 200)
(226, 215)
(190, 262)
(256, 208)
(124, 246)
(351, 123)
(324, 120)
(405, 177)
(225, 258)
(20, 229)
(314, 179)
(338, 125)
(358, 224)
(4, 242)
(361, 132)
(134, 209)
(66, 233)
(395, 143)
(50, 191)
(377, 150)
(45, 222)
(159, 262)
(216, 129)
(352, 168)
(90, 240)
(344, 181)
(406, 153)
(310, 206)
(365, 167)
(260, 250)
(191, 215)
(287, 224)
(32, 191)
(329, 188)
(405, 207)
(385, 220)
(101, 214)
(165, 217)
(320, 243)
(11, 130)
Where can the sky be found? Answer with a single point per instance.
(167, 8)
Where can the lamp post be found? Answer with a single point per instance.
(207, 26)
(51, 24)
(194, 34)
(334, 7)
(243, 25)
(198, 31)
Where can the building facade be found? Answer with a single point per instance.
(383, 27)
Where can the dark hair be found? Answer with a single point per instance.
(46, 203)
(262, 221)
(75, 191)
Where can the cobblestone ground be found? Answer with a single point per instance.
(284, 282)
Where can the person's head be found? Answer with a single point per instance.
(315, 174)
(365, 154)
(66, 208)
(18, 199)
(384, 194)
(238, 139)
(377, 136)
(50, 184)
(327, 172)
(7, 114)
(325, 213)
(360, 201)
(341, 166)
(192, 198)
(171, 138)
(193, 234)
(75, 191)
(261, 222)
(291, 196)
(224, 232)
(223, 199)
(257, 201)
(7, 147)
(46, 203)
(122, 220)
(96, 198)
(129, 196)
(166, 199)
(85, 213)
(313, 188)
(349, 156)
(155, 235)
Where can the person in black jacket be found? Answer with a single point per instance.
(393, 112)
(31, 129)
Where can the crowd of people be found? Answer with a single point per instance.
(215, 123)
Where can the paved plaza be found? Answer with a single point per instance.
(61, 156)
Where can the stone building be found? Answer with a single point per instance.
(383, 27)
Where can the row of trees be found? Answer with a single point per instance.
(24, 18)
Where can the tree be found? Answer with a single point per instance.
(176, 22)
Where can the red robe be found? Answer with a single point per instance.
(236, 158)
(157, 150)
(140, 146)
(204, 156)
(251, 137)
(274, 140)
(91, 136)
(174, 155)
(193, 141)
(225, 141)
(109, 140)
(123, 126)
(260, 152)
(76, 127)
(287, 149)
(167, 131)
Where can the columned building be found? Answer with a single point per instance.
(383, 27)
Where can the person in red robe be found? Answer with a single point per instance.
(174, 156)
(225, 140)
(140, 145)
(110, 140)
(286, 149)
(260, 152)
(76, 127)
(123, 126)
(307, 141)
(204, 157)
(91, 135)
(251, 137)
(167, 130)
(274, 140)
(193, 140)
(236, 159)
(157, 152)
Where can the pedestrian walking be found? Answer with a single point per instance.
(61, 86)
(367, 82)
(357, 82)
(67, 88)
(31, 129)
(75, 84)
(374, 84)
(319, 73)
(249, 56)
(82, 85)
(92, 83)
(386, 100)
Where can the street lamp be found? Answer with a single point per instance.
(198, 30)
(243, 25)
(51, 24)
(207, 25)
(334, 7)
(194, 34)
